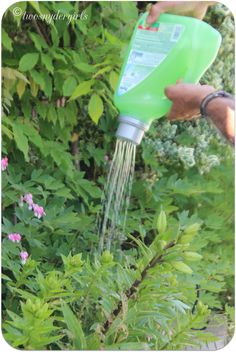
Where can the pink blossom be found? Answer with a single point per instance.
(4, 163)
(28, 198)
(24, 256)
(14, 237)
(38, 211)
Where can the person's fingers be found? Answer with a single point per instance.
(200, 11)
(178, 115)
(157, 9)
(174, 113)
(173, 116)
(154, 13)
(170, 92)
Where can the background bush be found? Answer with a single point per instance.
(158, 288)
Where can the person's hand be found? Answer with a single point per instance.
(186, 100)
(185, 8)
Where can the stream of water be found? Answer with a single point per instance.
(116, 195)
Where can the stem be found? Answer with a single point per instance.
(75, 153)
(130, 293)
(14, 214)
(42, 32)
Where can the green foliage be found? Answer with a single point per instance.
(74, 327)
(28, 61)
(95, 107)
(58, 133)
(35, 329)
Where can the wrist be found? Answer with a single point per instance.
(221, 104)
(220, 111)
(203, 91)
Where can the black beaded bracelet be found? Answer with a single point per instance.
(210, 97)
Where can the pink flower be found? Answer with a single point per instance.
(14, 237)
(28, 198)
(4, 163)
(38, 211)
(24, 256)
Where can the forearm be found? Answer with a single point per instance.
(187, 101)
(221, 112)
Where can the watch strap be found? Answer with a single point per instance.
(210, 97)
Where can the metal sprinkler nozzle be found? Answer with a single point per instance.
(131, 129)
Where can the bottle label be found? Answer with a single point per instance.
(150, 47)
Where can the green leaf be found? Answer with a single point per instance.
(21, 140)
(33, 87)
(113, 79)
(192, 229)
(22, 5)
(52, 114)
(6, 40)
(95, 107)
(41, 109)
(82, 26)
(129, 11)
(102, 71)
(48, 84)
(55, 37)
(83, 67)
(10, 73)
(47, 62)
(20, 88)
(192, 256)
(112, 38)
(35, 5)
(37, 77)
(38, 41)
(58, 56)
(82, 89)
(161, 222)
(69, 86)
(75, 328)
(7, 132)
(89, 188)
(180, 266)
(189, 233)
(33, 136)
(28, 61)
(65, 193)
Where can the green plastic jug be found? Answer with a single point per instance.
(175, 47)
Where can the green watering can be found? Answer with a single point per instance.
(175, 47)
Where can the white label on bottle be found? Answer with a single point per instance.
(150, 47)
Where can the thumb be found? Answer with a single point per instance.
(169, 92)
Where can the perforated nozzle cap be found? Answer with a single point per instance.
(131, 129)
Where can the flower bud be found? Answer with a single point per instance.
(192, 256)
(161, 222)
